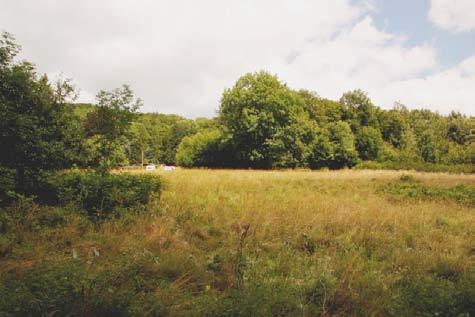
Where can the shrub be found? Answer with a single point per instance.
(103, 195)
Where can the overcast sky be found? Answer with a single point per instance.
(179, 55)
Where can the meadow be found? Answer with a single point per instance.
(82, 233)
(254, 243)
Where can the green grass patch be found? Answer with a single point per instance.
(408, 187)
(417, 166)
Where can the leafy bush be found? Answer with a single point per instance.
(103, 195)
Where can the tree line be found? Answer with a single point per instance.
(261, 123)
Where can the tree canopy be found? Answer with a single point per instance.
(34, 127)
(266, 124)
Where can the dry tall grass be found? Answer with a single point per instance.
(303, 221)
(303, 243)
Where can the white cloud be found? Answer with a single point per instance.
(180, 55)
(451, 89)
(453, 15)
(360, 57)
(377, 62)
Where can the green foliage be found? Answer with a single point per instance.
(409, 188)
(429, 150)
(267, 125)
(92, 153)
(458, 129)
(166, 133)
(81, 110)
(157, 136)
(103, 196)
(132, 284)
(8, 49)
(358, 109)
(26, 214)
(33, 129)
(343, 144)
(322, 111)
(322, 152)
(458, 154)
(140, 139)
(396, 138)
(110, 122)
(369, 143)
(334, 148)
(393, 126)
(266, 122)
(114, 112)
(201, 149)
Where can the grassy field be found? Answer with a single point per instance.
(259, 243)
